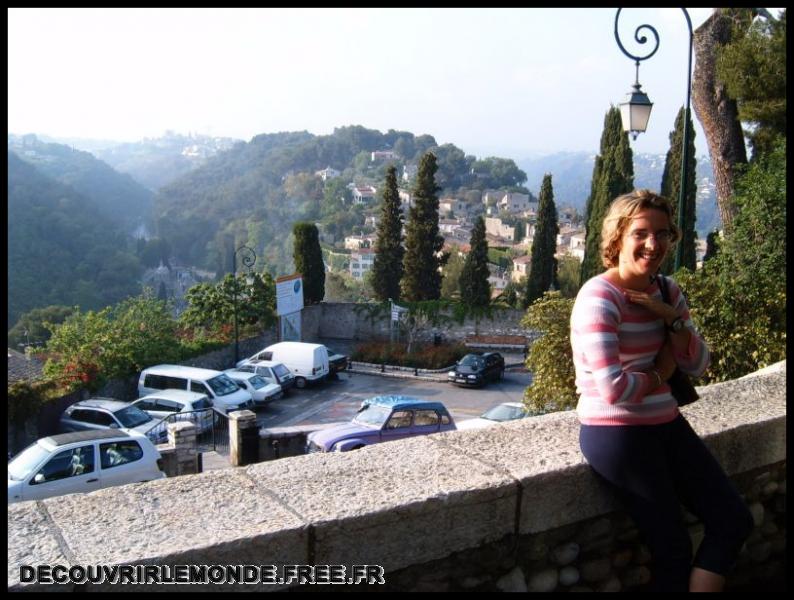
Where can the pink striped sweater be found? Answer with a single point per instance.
(612, 340)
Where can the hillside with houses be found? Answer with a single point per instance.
(213, 193)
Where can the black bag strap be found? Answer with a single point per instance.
(663, 288)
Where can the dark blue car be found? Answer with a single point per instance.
(477, 369)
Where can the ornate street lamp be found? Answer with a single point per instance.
(248, 258)
(636, 110)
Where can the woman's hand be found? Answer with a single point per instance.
(658, 307)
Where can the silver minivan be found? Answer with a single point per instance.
(178, 405)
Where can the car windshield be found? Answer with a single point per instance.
(471, 360)
(330, 352)
(223, 385)
(504, 413)
(132, 416)
(27, 460)
(257, 382)
(373, 415)
(280, 370)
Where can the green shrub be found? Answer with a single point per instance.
(425, 356)
(550, 359)
(25, 399)
(738, 299)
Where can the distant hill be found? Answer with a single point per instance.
(61, 248)
(114, 194)
(156, 162)
(254, 192)
(572, 173)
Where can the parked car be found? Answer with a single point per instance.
(307, 362)
(382, 419)
(109, 414)
(67, 463)
(506, 411)
(336, 362)
(260, 389)
(179, 405)
(476, 369)
(272, 372)
(225, 394)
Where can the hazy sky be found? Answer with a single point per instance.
(509, 82)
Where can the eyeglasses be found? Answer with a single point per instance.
(663, 236)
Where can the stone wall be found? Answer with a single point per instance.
(353, 322)
(510, 506)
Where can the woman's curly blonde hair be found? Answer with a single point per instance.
(621, 211)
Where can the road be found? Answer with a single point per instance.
(335, 401)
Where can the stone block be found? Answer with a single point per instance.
(32, 541)
(396, 504)
(218, 517)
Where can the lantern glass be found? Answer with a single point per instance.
(635, 112)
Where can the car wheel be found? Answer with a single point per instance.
(300, 382)
(357, 447)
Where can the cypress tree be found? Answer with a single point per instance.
(671, 189)
(474, 287)
(309, 261)
(543, 265)
(421, 277)
(712, 245)
(388, 268)
(613, 175)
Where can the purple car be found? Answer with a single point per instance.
(382, 419)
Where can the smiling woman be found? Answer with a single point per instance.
(627, 342)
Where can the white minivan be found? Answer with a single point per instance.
(308, 362)
(225, 394)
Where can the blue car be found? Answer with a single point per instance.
(382, 419)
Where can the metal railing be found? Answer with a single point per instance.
(212, 429)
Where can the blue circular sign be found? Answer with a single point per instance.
(297, 286)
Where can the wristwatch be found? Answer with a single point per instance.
(677, 325)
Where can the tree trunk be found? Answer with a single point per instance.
(717, 112)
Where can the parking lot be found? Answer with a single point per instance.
(338, 400)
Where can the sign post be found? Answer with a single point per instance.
(289, 303)
(396, 314)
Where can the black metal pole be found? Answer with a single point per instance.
(236, 339)
(685, 149)
(684, 153)
(248, 258)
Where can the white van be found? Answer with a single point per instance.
(308, 362)
(225, 394)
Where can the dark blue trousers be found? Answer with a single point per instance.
(655, 468)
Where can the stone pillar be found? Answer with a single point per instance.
(180, 457)
(243, 438)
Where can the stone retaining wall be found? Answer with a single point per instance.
(344, 320)
(485, 509)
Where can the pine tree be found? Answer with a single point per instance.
(388, 268)
(309, 261)
(671, 189)
(613, 175)
(474, 287)
(543, 265)
(421, 277)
